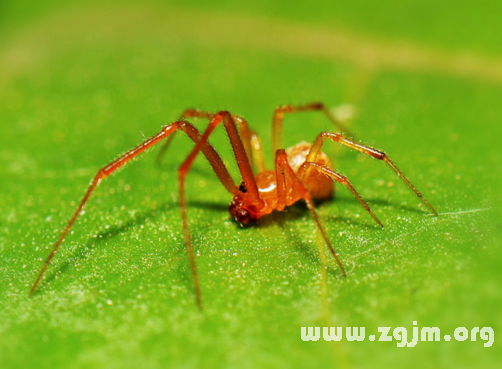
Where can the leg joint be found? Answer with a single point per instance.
(379, 155)
(224, 114)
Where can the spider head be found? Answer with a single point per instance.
(243, 212)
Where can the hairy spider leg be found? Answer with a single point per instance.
(282, 167)
(246, 133)
(316, 148)
(278, 119)
(242, 163)
(340, 179)
(193, 133)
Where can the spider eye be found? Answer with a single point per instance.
(243, 188)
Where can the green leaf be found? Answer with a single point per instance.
(82, 85)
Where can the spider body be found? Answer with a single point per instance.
(318, 185)
(300, 172)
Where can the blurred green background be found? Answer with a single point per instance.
(82, 82)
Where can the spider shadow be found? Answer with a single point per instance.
(383, 202)
(281, 219)
(80, 252)
(300, 209)
(308, 249)
(366, 219)
(103, 236)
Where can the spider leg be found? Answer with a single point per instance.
(186, 114)
(279, 118)
(340, 179)
(239, 152)
(244, 167)
(246, 133)
(191, 131)
(258, 153)
(316, 148)
(282, 167)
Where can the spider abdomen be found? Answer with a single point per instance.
(319, 186)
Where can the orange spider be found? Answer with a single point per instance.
(301, 172)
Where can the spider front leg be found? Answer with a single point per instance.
(244, 166)
(279, 118)
(191, 131)
(316, 148)
(282, 168)
(249, 138)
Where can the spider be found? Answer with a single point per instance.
(301, 172)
